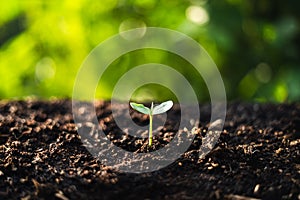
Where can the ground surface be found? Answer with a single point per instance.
(42, 157)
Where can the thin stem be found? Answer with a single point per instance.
(150, 130)
(150, 125)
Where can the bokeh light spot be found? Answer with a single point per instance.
(281, 92)
(45, 69)
(269, 33)
(131, 24)
(248, 86)
(197, 15)
(263, 72)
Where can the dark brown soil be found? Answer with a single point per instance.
(42, 157)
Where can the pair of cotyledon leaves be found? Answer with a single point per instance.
(154, 110)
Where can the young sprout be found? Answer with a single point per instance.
(153, 110)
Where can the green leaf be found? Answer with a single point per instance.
(140, 107)
(163, 107)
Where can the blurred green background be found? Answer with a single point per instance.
(255, 43)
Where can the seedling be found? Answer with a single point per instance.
(153, 110)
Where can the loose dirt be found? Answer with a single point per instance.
(42, 157)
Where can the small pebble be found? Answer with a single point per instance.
(256, 189)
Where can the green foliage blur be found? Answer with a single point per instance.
(255, 44)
